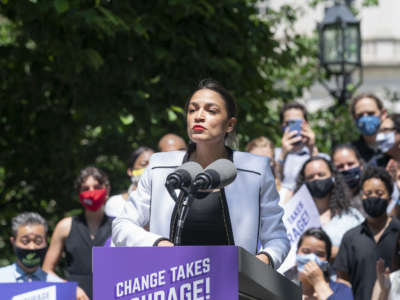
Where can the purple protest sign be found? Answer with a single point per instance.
(165, 273)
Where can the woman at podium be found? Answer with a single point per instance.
(242, 213)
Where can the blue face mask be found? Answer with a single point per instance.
(368, 125)
(303, 259)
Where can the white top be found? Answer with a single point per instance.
(114, 205)
(252, 202)
(394, 293)
(340, 224)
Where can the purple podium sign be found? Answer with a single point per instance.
(165, 273)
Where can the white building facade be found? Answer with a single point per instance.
(380, 30)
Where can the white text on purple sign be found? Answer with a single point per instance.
(198, 289)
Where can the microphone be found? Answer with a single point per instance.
(182, 177)
(217, 175)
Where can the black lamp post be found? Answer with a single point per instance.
(340, 51)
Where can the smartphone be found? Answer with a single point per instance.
(295, 125)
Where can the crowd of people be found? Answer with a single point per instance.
(355, 254)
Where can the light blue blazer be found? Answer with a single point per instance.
(252, 201)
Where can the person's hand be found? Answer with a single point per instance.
(315, 277)
(383, 275)
(391, 168)
(308, 138)
(289, 139)
(165, 243)
(264, 258)
(80, 294)
(313, 273)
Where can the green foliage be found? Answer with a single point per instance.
(333, 126)
(314, 3)
(86, 82)
(370, 2)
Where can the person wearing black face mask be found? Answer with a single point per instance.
(375, 238)
(331, 197)
(349, 164)
(30, 245)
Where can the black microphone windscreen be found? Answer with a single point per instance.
(191, 168)
(225, 169)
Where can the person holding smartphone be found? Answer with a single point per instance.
(298, 145)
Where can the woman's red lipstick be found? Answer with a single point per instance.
(198, 127)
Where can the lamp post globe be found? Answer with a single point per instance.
(340, 51)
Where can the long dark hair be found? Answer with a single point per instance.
(350, 147)
(211, 84)
(339, 200)
(135, 154)
(230, 104)
(321, 235)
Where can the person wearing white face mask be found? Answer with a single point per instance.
(313, 254)
(388, 140)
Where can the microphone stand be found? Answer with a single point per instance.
(183, 210)
(183, 204)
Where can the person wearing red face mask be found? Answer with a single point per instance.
(77, 235)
